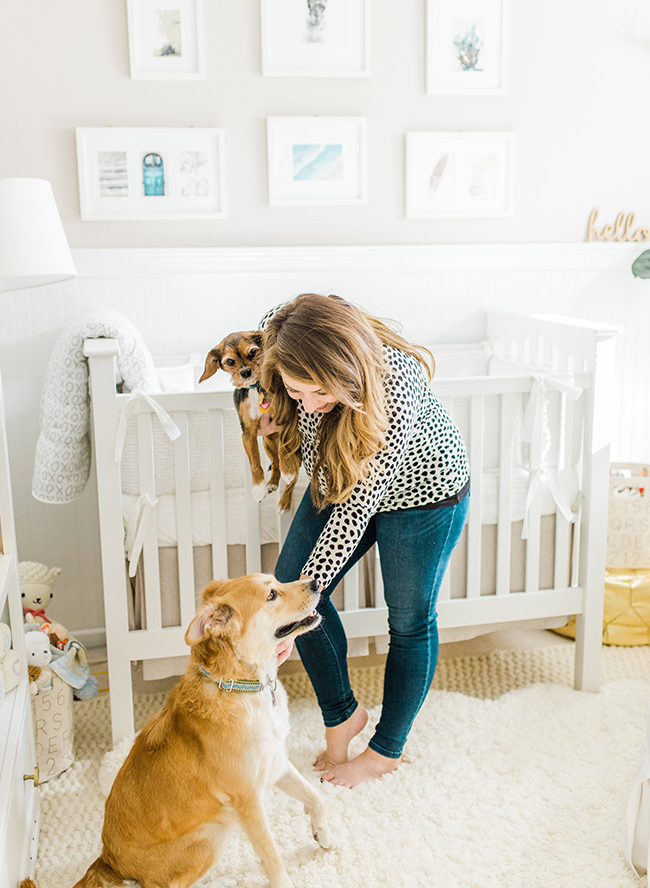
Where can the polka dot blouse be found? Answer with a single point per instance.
(423, 463)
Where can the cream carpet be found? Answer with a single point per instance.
(512, 779)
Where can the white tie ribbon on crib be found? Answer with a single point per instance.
(138, 530)
(531, 430)
(131, 408)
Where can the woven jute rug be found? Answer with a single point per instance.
(511, 779)
(490, 675)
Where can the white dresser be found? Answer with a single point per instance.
(19, 796)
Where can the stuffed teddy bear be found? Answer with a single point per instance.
(36, 581)
(9, 662)
(38, 656)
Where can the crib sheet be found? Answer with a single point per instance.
(236, 510)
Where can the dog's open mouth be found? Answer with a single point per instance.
(309, 622)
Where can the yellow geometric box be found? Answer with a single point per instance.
(626, 616)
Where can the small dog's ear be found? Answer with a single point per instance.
(213, 619)
(258, 337)
(210, 590)
(212, 363)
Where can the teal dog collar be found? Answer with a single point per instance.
(240, 685)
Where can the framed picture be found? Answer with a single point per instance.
(151, 173)
(315, 38)
(316, 161)
(166, 39)
(467, 47)
(459, 175)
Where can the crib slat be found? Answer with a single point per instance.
(534, 518)
(284, 522)
(150, 548)
(504, 526)
(562, 526)
(252, 512)
(381, 641)
(218, 515)
(476, 501)
(380, 599)
(445, 586)
(351, 589)
(184, 518)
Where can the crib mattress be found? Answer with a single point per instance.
(235, 518)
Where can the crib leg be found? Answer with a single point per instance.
(593, 539)
(121, 697)
(588, 650)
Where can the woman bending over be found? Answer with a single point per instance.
(387, 465)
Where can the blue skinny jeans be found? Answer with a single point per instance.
(415, 546)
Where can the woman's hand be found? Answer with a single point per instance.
(267, 425)
(283, 650)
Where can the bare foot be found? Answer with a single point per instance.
(338, 739)
(370, 765)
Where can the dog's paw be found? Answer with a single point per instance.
(288, 479)
(271, 488)
(259, 492)
(323, 836)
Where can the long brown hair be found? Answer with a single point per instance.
(326, 341)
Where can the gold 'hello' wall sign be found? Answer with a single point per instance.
(620, 231)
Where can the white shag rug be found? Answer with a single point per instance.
(525, 791)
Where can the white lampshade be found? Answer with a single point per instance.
(33, 246)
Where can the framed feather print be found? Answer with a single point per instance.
(467, 42)
(459, 175)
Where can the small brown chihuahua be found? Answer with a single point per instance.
(240, 354)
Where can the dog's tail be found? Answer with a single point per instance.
(100, 875)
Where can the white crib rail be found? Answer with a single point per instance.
(552, 343)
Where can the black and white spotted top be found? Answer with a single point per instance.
(424, 462)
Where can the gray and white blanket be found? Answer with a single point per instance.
(63, 451)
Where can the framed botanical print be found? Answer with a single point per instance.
(166, 39)
(467, 47)
(315, 38)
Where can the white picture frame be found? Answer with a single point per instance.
(315, 38)
(459, 175)
(151, 173)
(317, 161)
(166, 40)
(467, 47)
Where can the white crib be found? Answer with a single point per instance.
(536, 429)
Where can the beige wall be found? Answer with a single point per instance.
(578, 85)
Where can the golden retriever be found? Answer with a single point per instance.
(205, 761)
